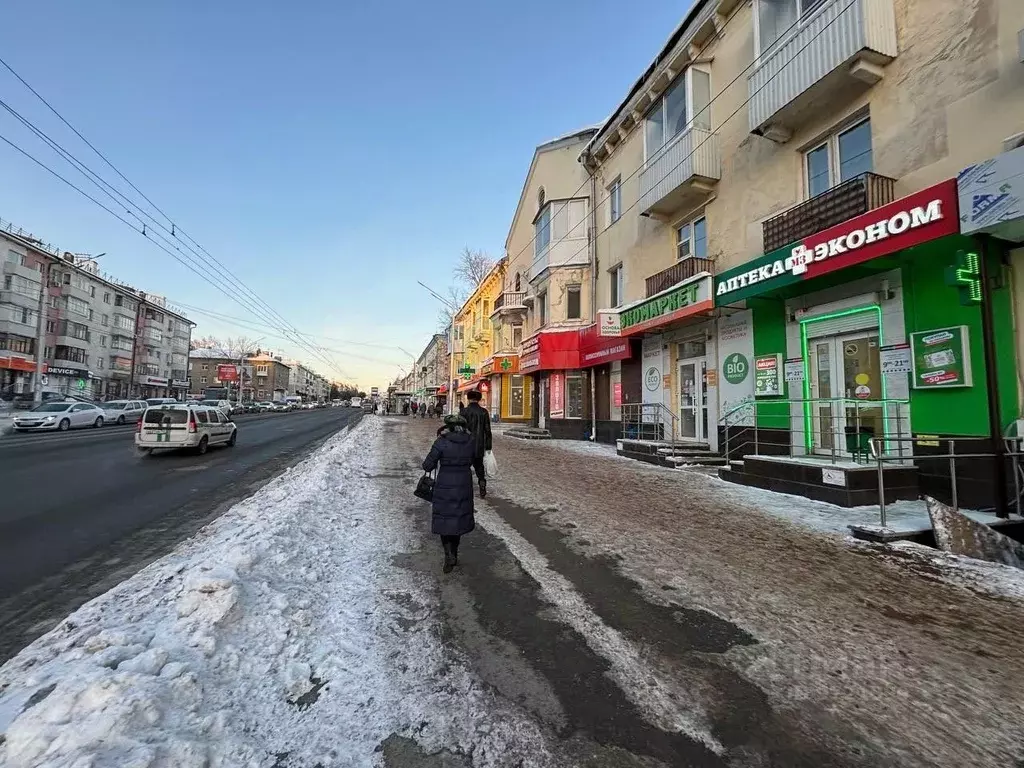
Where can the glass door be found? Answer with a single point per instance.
(846, 393)
(693, 399)
(822, 394)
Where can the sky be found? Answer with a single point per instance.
(329, 155)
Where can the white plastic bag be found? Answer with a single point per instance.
(490, 465)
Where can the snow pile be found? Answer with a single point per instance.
(281, 634)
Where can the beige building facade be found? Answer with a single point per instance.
(760, 124)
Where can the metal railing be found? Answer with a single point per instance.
(837, 428)
(879, 446)
(681, 270)
(650, 421)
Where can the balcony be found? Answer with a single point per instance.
(64, 340)
(831, 207)
(681, 270)
(567, 252)
(509, 302)
(838, 50)
(680, 175)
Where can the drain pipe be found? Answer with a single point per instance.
(593, 290)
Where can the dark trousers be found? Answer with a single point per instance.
(451, 541)
(478, 467)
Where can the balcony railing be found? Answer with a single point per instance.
(831, 207)
(567, 252)
(681, 270)
(509, 301)
(857, 37)
(680, 174)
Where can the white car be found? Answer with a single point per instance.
(223, 405)
(123, 411)
(60, 417)
(356, 402)
(184, 426)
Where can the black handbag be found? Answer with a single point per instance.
(425, 488)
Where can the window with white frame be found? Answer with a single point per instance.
(615, 200)
(692, 239)
(687, 102)
(15, 258)
(76, 305)
(21, 285)
(774, 19)
(617, 297)
(542, 231)
(842, 156)
(559, 220)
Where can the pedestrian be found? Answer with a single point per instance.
(453, 455)
(423, 410)
(462, 405)
(478, 422)
(405, 407)
(415, 405)
(438, 410)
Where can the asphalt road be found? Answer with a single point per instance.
(83, 510)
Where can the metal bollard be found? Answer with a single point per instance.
(952, 475)
(881, 489)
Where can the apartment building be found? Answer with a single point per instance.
(431, 370)
(93, 341)
(474, 339)
(780, 236)
(271, 377)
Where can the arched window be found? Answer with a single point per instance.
(540, 198)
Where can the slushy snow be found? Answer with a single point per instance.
(281, 634)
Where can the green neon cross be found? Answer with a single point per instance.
(966, 275)
(506, 364)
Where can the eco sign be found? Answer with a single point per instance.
(941, 358)
(735, 368)
(918, 218)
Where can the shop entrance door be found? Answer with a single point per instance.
(693, 399)
(542, 386)
(846, 392)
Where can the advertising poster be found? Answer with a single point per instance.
(557, 395)
(227, 373)
(617, 394)
(768, 376)
(735, 359)
(795, 370)
(652, 380)
(941, 358)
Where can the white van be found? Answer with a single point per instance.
(184, 426)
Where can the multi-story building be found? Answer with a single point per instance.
(473, 329)
(431, 370)
(92, 337)
(271, 377)
(779, 234)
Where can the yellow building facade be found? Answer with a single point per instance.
(474, 338)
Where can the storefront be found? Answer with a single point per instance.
(678, 375)
(872, 328)
(558, 398)
(509, 388)
(16, 374)
(71, 381)
(157, 386)
(601, 359)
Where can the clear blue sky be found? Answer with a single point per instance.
(329, 152)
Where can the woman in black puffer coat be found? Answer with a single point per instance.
(454, 451)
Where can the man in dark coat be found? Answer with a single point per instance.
(478, 422)
(453, 455)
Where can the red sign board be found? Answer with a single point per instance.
(597, 350)
(617, 394)
(227, 372)
(557, 390)
(553, 351)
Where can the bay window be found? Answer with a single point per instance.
(21, 286)
(559, 220)
(776, 18)
(686, 103)
(542, 231)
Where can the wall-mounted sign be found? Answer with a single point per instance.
(153, 381)
(941, 358)
(833, 476)
(617, 394)
(965, 275)
(795, 369)
(557, 395)
(768, 376)
(735, 368)
(670, 305)
(608, 323)
(55, 370)
(895, 358)
(915, 219)
(992, 196)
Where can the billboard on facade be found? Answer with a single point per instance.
(227, 372)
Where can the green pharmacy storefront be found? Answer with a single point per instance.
(876, 328)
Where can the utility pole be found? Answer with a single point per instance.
(37, 386)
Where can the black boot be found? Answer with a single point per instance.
(455, 551)
(483, 489)
(449, 556)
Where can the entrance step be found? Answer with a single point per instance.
(844, 484)
(528, 433)
(663, 454)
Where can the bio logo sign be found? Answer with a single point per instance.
(735, 368)
(652, 379)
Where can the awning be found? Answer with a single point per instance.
(598, 350)
(18, 364)
(443, 389)
(471, 384)
(551, 351)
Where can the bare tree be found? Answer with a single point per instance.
(455, 297)
(473, 267)
(232, 348)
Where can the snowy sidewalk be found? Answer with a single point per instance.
(281, 634)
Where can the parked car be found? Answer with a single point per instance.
(252, 407)
(59, 416)
(25, 400)
(184, 426)
(152, 401)
(356, 402)
(123, 411)
(265, 406)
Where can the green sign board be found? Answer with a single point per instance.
(81, 384)
(505, 363)
(680, 298)
(735, 368)
(966, 275)
(467, 370)
(768, 376)
(941, 358)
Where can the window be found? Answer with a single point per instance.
(100, 363)
(617, 286)
(542, 309)
(51, 326)
(692, 240)
(106, 298)
(105, 320)
(615, 200)
(542, 231)
(78, 306)
(74, 330)
(21, 286)
(775, 19)
(103, 341)
(519, 283)
(206, 367)
(841, 157)
(20, 344)
(517, 336)
(261, 370)
(574, 395)
(517, 395)
(15, 258)
(92, 291)
(201, 415)
(18, 314)
(686, 102)
(572, 302)
(74, 354)
(202, 379)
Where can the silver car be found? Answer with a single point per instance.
(60, 417)
(124, 411)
